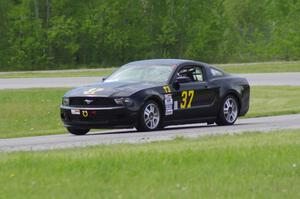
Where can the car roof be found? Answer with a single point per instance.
(160, 62)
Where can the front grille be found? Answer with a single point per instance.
(92, 102)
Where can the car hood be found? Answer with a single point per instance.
(110, 89)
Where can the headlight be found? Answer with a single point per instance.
(124, 101)
(119, 101)
(128, 102)
(66, 101)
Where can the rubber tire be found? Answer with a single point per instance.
(141, 126)
(221, 121)
(77, 131)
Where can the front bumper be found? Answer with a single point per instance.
(104, 117)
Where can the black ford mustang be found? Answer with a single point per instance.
(151, 94)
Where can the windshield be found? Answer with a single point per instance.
(142, 74)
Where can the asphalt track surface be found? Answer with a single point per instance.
(263, 124)
(271, 79)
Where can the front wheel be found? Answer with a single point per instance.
(228, 112)
(77, 131)
(150, 117)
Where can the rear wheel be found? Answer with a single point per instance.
(77, 131)
(150, 117)
(229, 110)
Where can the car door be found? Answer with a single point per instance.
(193, 99)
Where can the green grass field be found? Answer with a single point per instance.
(58, 74)
(275, 67)
(32, 112)
(234, 68)
(274, 100)
(250, 165)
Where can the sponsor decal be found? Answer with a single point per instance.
(168, 104)
(169, 111)
(92, 91)
(75, 112)
(168, 99)
(85, 113)
(175, 105)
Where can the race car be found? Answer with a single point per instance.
(152, 94)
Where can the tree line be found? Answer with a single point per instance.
(49, 34)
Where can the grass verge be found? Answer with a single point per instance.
(78, 73)
(267, 67)
(274, 100)
(240, 166)
(30, 112)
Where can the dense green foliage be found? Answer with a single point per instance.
(232, 166)
(38, 34)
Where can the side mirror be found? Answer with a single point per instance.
(180, 80)
(104, 78)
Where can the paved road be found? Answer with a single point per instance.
(264, 124)
(289, 79)
(273, 79)
(19, 83)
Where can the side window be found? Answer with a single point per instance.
(193, 72)
(198, 75)
(216, 73)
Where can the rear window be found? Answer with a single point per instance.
(216, 73)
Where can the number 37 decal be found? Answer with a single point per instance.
(187, 99)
